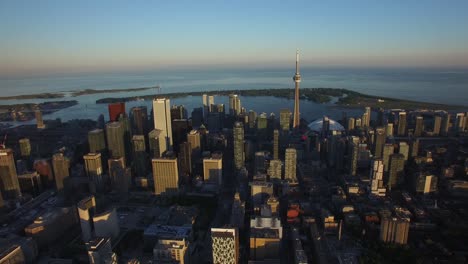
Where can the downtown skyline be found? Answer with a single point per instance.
(53, 37)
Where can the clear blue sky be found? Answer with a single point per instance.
(76, 36)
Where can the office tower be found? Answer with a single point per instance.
(139, 120)
(290, 164)
(260, 162)
(194, 138)
(394, 230)
(206, 106)
(265, 237)
(379, 141)
(460, 121)
(214, 121)
(419, 127)
(61, 166)
(380, 117)
(404, 149)
(86, 210)
(389, 130)
(445, 125)
(96, 141)
(197, 117)
(414, 148)
(225, 245)
(185, 160)
(25, 147)
(402, 124)
(162, 121)
(358, 123)
(127, 136)
(106, 224)
(367, 113)
(171, 248)
(178, 112)
(211, 103)
(425, 183)
(274, 169)
(115, 110)
(376, 176)
(100, 251)
(30, 182)
(387, 151)
(39, 120)
(234, 105)
(397, 165)
(239, 155)
(180, 127)
(115, 139)
(213, 169)
(437, 125)
(139, 156)
(94, 171)
(153, 138)
(252, 120)
(351, 123)
(119, 175)
(285, 119)
(262, 124)
(237, 212)
(165, 175)
(353, 153)
(276, 144)
(297, 80)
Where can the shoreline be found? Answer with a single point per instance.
(58, 95)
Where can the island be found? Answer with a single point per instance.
(26, 112)
(344, 98)
(93, 91)
(73, 93)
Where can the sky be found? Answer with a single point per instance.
(50, 37)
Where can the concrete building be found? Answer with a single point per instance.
(86, 210)
(213, 169)
(115, 132)
(194, 138)
(93, 169)
(401, 124)
(154, 138)
(25, 147)
(106, 224)
(377, 180)
(419, 127)
(297, 81)
(100, 251)
(275, 169)
(97, 141)
(387, 151)
(61, 166)
(290, 164)
(235, 107)
(165, 175)
(119, 175)
(39, 120)
(9, 184)
(185, 159)
(265, 238)
(426, 183)
(353, 154)
(260, 192)
(140, 158)
(404, 149)
(239, 155)
(162, 121)
(395, 174)
(394, 230)
(379, 141)
(225, 244)
(139, 120)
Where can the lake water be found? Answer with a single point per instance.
(429, 85)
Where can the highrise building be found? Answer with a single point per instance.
(262, 124)
(25, 147)
(290, 164)
(100, 251)
(414, 148)
(94, 171)
(397, 165)
(213, 169)
(376, 175)
(185, 160)
(437, 125)
(387, 151)
(402, 124)
(139, 120)
(276, 144)
(225, 245)
(61, 166)
(86, 211)
(419, 127)
(445, 125)
(211, 103)
(394, 230)
(194, 138)
(97, 141)
(206, 106)
(162, 121)
(379, 141)
(380, 117)
(235, 107)
(139, 156)
(351, 123)
(297, 80)
(127, 136)
(153, 138)
(115, 110)
(404, 149)
(197, 117)
(178, 112)
(239, 155)
(366, 117)
(39, 120)
(119, 175)
(285, 119)
(389, 130)
(252, 119)
(165, 175)
(353, 153)
(425, 183)
(460, 122)
(115, 132)
(275, 168)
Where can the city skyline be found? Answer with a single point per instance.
(47, 37)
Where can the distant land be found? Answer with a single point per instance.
(346, 98)
(26, 112)
(74, 94)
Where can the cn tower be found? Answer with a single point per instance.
(297, 80)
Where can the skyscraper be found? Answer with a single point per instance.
(397, 164)
(115, 139)
(285, 119)
(100, 251)
(213, 169)
(153, 138)
(115, 110)
(276, 144)
(297, 80)
(165, 175)
(351, 123)
(93, 168)
(445, 125)
(139, 120)
(379, 141)
(206, 106)
(61, 166)
(290, 164)
(39, 120)
(275, 168)
(119, 175)
(252, 119)
(162, 121)
(387, 151)
(404, 149)
(9, 184)
(394, 230)
(139, 155)
(402, 124)
(97, 141)
(376, 175)
(367, 119)
(262, 124)
(234, 105)
(353, 153)
(25, 147)
(239, 155)
(194, 138)
(419, 126)
(225, 245)
(211, 103)
(437, 125)
(185, 159)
